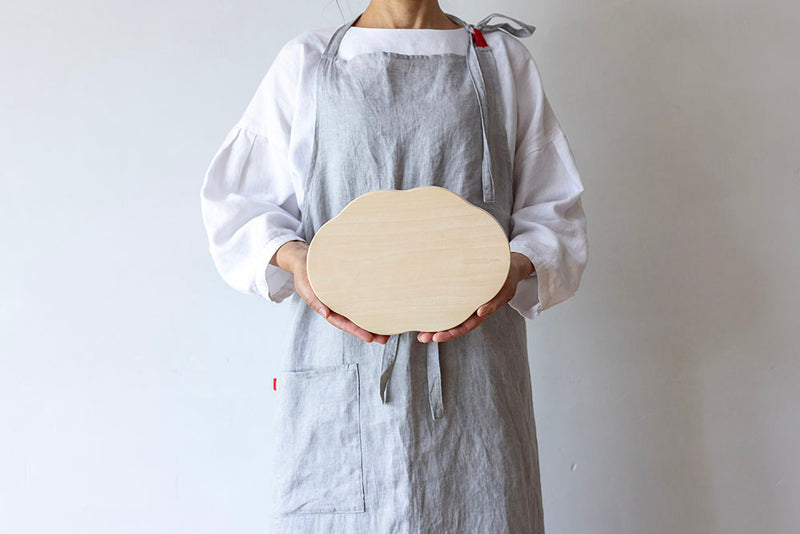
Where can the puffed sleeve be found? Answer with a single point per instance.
(249, 205)
(548, 224)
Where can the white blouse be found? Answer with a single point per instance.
(253, 189)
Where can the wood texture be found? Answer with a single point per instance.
(421, 259)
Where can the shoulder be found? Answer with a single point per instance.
(513, 51)
(306, 44)
(287, 71)
(296, 58)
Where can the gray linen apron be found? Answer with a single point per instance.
(449, 443)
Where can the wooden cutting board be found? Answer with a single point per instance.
(421, 259)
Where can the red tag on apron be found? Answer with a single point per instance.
(477, 36)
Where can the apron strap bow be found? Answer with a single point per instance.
(525, 31)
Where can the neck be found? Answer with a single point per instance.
(405, 14)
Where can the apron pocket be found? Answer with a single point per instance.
(319, 457)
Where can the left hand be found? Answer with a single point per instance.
(519, 269)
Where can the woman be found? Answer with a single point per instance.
(421, 431)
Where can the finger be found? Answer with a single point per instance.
(318, 306)
(304, 288)
(504, 296)
(492, 306)
(467, 326)
(425, 337)
(337, 320)
(362, 333)
(347, 325)
(470, 324)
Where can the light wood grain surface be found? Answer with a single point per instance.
(421, 259)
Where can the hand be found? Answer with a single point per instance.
(519, 269)
(294, 256)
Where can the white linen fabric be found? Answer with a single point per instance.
(254, 186)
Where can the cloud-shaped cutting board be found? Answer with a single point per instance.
(421, 259)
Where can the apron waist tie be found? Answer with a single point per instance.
(434, 373)
(475, 35)
(387, 364)
(434, 381)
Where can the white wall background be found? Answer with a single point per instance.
(135, 386)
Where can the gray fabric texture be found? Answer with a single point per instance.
(407, 437)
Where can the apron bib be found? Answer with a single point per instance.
(376, 438)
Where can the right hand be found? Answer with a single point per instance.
(294, 253)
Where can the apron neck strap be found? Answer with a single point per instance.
(475, 66)
(476, 40)
(336, 39)
(525, 30)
